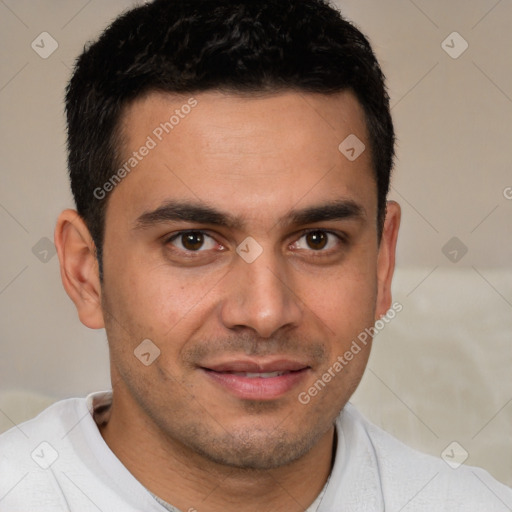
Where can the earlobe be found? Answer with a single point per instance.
(79, 267)
(386, 258)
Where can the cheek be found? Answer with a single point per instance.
(344, 300)
(152, 300)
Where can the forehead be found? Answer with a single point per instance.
(244, 153)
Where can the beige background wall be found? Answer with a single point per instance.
(453, 178)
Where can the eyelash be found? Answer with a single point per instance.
(342, 239)
(176, 236)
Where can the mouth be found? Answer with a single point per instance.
(257, 380)
(258, 375)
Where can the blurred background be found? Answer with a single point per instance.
(440, 370)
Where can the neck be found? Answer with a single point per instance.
(189, 481)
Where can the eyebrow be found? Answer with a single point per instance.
(342, 209)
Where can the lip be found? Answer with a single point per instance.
(256, 366)
(229, 376)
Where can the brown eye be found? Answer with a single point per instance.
(192, 241)
(193, 244)
(317, 240)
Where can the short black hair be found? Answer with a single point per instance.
(237, 46)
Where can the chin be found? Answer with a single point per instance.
(256, 449)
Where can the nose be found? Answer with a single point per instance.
(260, 297)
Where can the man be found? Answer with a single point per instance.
(230, 162)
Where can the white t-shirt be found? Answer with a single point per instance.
(59, 461)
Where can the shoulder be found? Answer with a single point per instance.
(58, 461)
(51, 422)
(411, 480)
(29, 450)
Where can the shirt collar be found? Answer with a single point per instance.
(354, 484)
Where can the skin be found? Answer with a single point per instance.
(256, 158)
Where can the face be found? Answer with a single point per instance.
(244, 245)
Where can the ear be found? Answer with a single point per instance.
(386, 258)
(79, 267)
